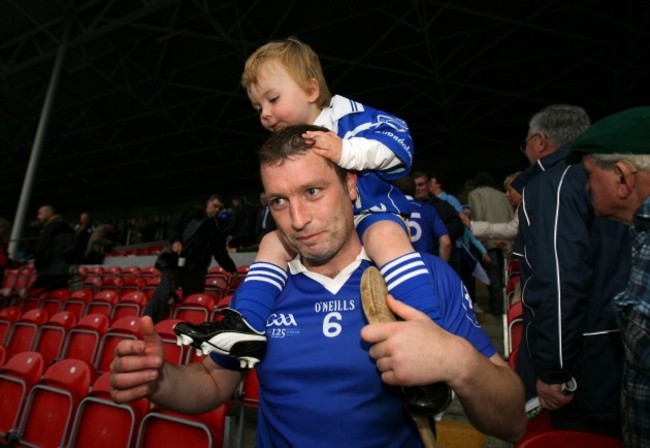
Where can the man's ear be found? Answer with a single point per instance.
(625, 179)
(351, 182)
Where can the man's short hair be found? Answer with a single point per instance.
(288, 143)
(214, 197)
(561, 123)
(297, 58)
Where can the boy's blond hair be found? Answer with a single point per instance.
(297, 58)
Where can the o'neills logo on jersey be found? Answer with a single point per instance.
(334, 305)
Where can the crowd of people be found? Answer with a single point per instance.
(339, 196)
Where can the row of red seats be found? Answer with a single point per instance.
(20, 331)
(66, 404)
(18, 282)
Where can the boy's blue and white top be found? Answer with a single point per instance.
(376, 144)
(319, 386)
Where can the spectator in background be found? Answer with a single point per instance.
(436, 184)
(445, 210)
(82, 231)
(101, 242)
(572, 265)
(5, 261)
(503, 233)
(265, 222)
(428, 232)
(473, 255)
(450, 216)
(54, 251)
(615, 152)
(194, 237)
(241, 228)
(491, 205)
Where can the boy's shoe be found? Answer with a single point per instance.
(231, 336)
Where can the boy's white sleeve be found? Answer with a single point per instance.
(360, 153)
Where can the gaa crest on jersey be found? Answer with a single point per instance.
(281, 325)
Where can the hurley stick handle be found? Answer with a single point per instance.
(373, 301)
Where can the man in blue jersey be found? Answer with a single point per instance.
(428, 233)
(319, 385)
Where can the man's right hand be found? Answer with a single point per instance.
(137, 367)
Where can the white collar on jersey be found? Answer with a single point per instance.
(331, 284)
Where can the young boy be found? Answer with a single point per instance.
(286, 85)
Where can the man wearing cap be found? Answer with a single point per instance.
(572, 265)
(616, 153)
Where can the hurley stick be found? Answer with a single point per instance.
(373, 301)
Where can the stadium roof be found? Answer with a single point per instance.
(149, 111)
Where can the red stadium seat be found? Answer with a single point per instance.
(102, 303)
(8, 316)
(54, 300)
(3, 355)
(515, 326)
(82, 341)
(17, 378)
(162, 427)
(130, 304)
(216, 286)
(174, 353)
(78, 301)
(52, 403)
(50, 336)
(23, 332)
(249, 397)
(150, 271)
(102, 423)
(568, 439)
(195, 308)
(124, 328)
(32, 299)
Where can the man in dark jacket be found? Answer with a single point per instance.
(54, 251)
(573, 263)
(195, 237)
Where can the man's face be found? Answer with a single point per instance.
(602, 183)
(513, 196)
(43, 215)
(421, 188)
(84, 219)
(531, 146)
(213, 207)
(279, 100)
(313, 210)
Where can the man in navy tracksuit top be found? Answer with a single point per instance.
(573, 263)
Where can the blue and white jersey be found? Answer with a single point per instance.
(362, 127)
(318, 385)
(426, 227)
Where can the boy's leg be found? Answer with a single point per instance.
(241, 331)
(388, 245)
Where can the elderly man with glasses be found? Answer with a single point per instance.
(616, 153)
(573, 263)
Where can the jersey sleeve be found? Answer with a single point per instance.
(369, 126)
(458, 315)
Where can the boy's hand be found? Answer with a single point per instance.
(326, 144)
